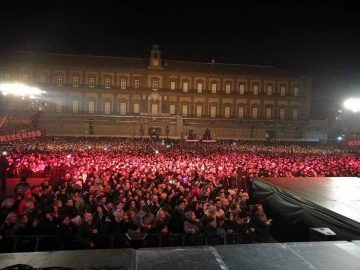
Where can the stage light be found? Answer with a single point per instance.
(105, 148)
(19, 89)
(339, 138)
(68, 156)
(4, 153)
(168, 146)
(352, 104)
(156, 151)
(89, 147)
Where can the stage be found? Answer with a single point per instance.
(306, 202)
(295, 256)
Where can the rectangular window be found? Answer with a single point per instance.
(155, 85)
(154, 108)
(92, 82)
(269, 90)
(213, 88)
(213, 111)
(137, 83)
(296, 91)
(75, 81)
(227, 88)
(122, 108)
(59, 105)
(199, 87)
(282, 91)
(199, 110)
(136, 108)
(227, 112)
(282, 114)
(91, 106)
(172, 85)
(59, 80)
(42, 78)
(295, 114)
(254, 112)
(242, 89)
(185, 110)
(268, 113)
(185, 87)
(241, 112)
(107, 82)
(255, 90)
(107, 107)
(123, 83)
(75, 106)
(172, 109)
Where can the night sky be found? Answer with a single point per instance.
(319, 40)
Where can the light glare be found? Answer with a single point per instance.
(352, 104)
(19, 89)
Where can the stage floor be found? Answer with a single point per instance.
(295, 256)
(338, 194)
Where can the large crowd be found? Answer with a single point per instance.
(115, 186)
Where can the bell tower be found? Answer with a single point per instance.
(155, 57)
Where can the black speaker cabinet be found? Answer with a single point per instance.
(322, 234)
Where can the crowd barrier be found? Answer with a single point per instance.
(33, 243)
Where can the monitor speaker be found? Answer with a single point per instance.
(322, 234)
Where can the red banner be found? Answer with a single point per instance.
(19, 136)
(353, 143)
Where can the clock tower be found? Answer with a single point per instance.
(155, 58)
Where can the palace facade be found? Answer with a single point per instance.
(116, 96)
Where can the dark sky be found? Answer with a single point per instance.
(321, 39)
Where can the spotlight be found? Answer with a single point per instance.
(340, 138)
(352, 104)
(89, 147)
(105, 148)
(156, 151)
(4, 153)
(68, 155)
(168, 146)
(19, 89)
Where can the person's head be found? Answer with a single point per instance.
(161, 214)
(190, 215)
(218, 204)
(11, 218)
(24, 219)
(65, 220)
(8, 203)
(88, 217)
(58, 203)
(70, 203)
(212, 222)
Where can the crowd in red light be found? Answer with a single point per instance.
(116, 185)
